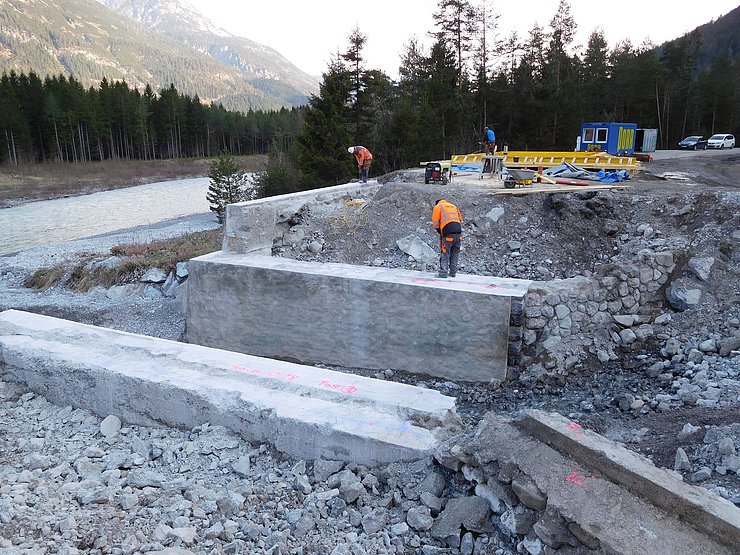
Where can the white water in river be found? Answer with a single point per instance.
(52, 221)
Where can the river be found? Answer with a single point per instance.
(63, 219)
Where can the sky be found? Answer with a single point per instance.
(309, 33)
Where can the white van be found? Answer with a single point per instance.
(721, 141)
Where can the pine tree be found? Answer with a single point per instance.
(456, 23)
(228, 185)
(326, 133)
(595, 78)
(356, 66)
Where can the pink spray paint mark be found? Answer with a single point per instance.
(578, 479)
(346, 389)
(576, 428)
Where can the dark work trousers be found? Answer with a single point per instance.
(364, 172)
(450, 247)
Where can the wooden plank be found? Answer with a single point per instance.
(556, 189)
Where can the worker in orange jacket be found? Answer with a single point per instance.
(364, 158)
(447, 220)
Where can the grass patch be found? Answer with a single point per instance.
(43, 278)
(134, 260)
(165, 254)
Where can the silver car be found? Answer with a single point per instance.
(721, 140)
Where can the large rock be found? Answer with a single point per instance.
(417, 249)
(154, 275)
(682, 296)
(471, 512)
(701, 266)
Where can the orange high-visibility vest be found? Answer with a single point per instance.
(363, 155)
(444, 213)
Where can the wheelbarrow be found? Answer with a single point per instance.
(438, 172)
(518, 177)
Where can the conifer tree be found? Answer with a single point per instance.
(326, 134)
(228, 185)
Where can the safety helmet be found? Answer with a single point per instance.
(351, 150)
(486, 128)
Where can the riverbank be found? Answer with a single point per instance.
(136, 314)
(32, 182)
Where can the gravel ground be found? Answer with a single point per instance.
(72, 482)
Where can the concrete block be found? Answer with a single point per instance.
(716, 516)
(305, 412)
(620, 521)
(354, 316)
(251, 227)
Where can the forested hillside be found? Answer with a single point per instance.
(85, 40)
(262, 67)
(718, 38)
(57, 119)
(534, 89)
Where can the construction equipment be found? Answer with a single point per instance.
(491, 164)
(518, 177)
(438, 172)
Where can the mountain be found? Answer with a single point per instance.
(718, 37)
(263, 67)
(147, 42)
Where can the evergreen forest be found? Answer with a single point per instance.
(534, 89)
(57, 120)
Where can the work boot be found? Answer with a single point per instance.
(441, 275)
(453, 274)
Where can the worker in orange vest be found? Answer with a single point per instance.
(364, 158)
(447, 220)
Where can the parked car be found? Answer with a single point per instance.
(694, 142)
(721, 140)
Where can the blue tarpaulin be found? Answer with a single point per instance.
(612, 176)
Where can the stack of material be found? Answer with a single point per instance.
(570, 171)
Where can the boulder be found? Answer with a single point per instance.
(701, 266)
(154, 275)
(682, 296)
(417, 249)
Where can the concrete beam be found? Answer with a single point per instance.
(711, 513)
(354, 316)
(624, 522)
(305, 412)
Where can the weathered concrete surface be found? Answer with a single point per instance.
(624, 523)
(355, 316)
(711, 513)
(252, 226)
(305, 412)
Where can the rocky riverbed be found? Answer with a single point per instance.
(72, 482)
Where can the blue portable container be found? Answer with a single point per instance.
(614, 138)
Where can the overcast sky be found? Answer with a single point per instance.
(308, 32)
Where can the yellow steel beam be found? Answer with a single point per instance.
(534, 159)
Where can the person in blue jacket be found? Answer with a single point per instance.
(489, 141)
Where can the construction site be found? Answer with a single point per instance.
(573, 389)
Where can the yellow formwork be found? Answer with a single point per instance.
(533, 159)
